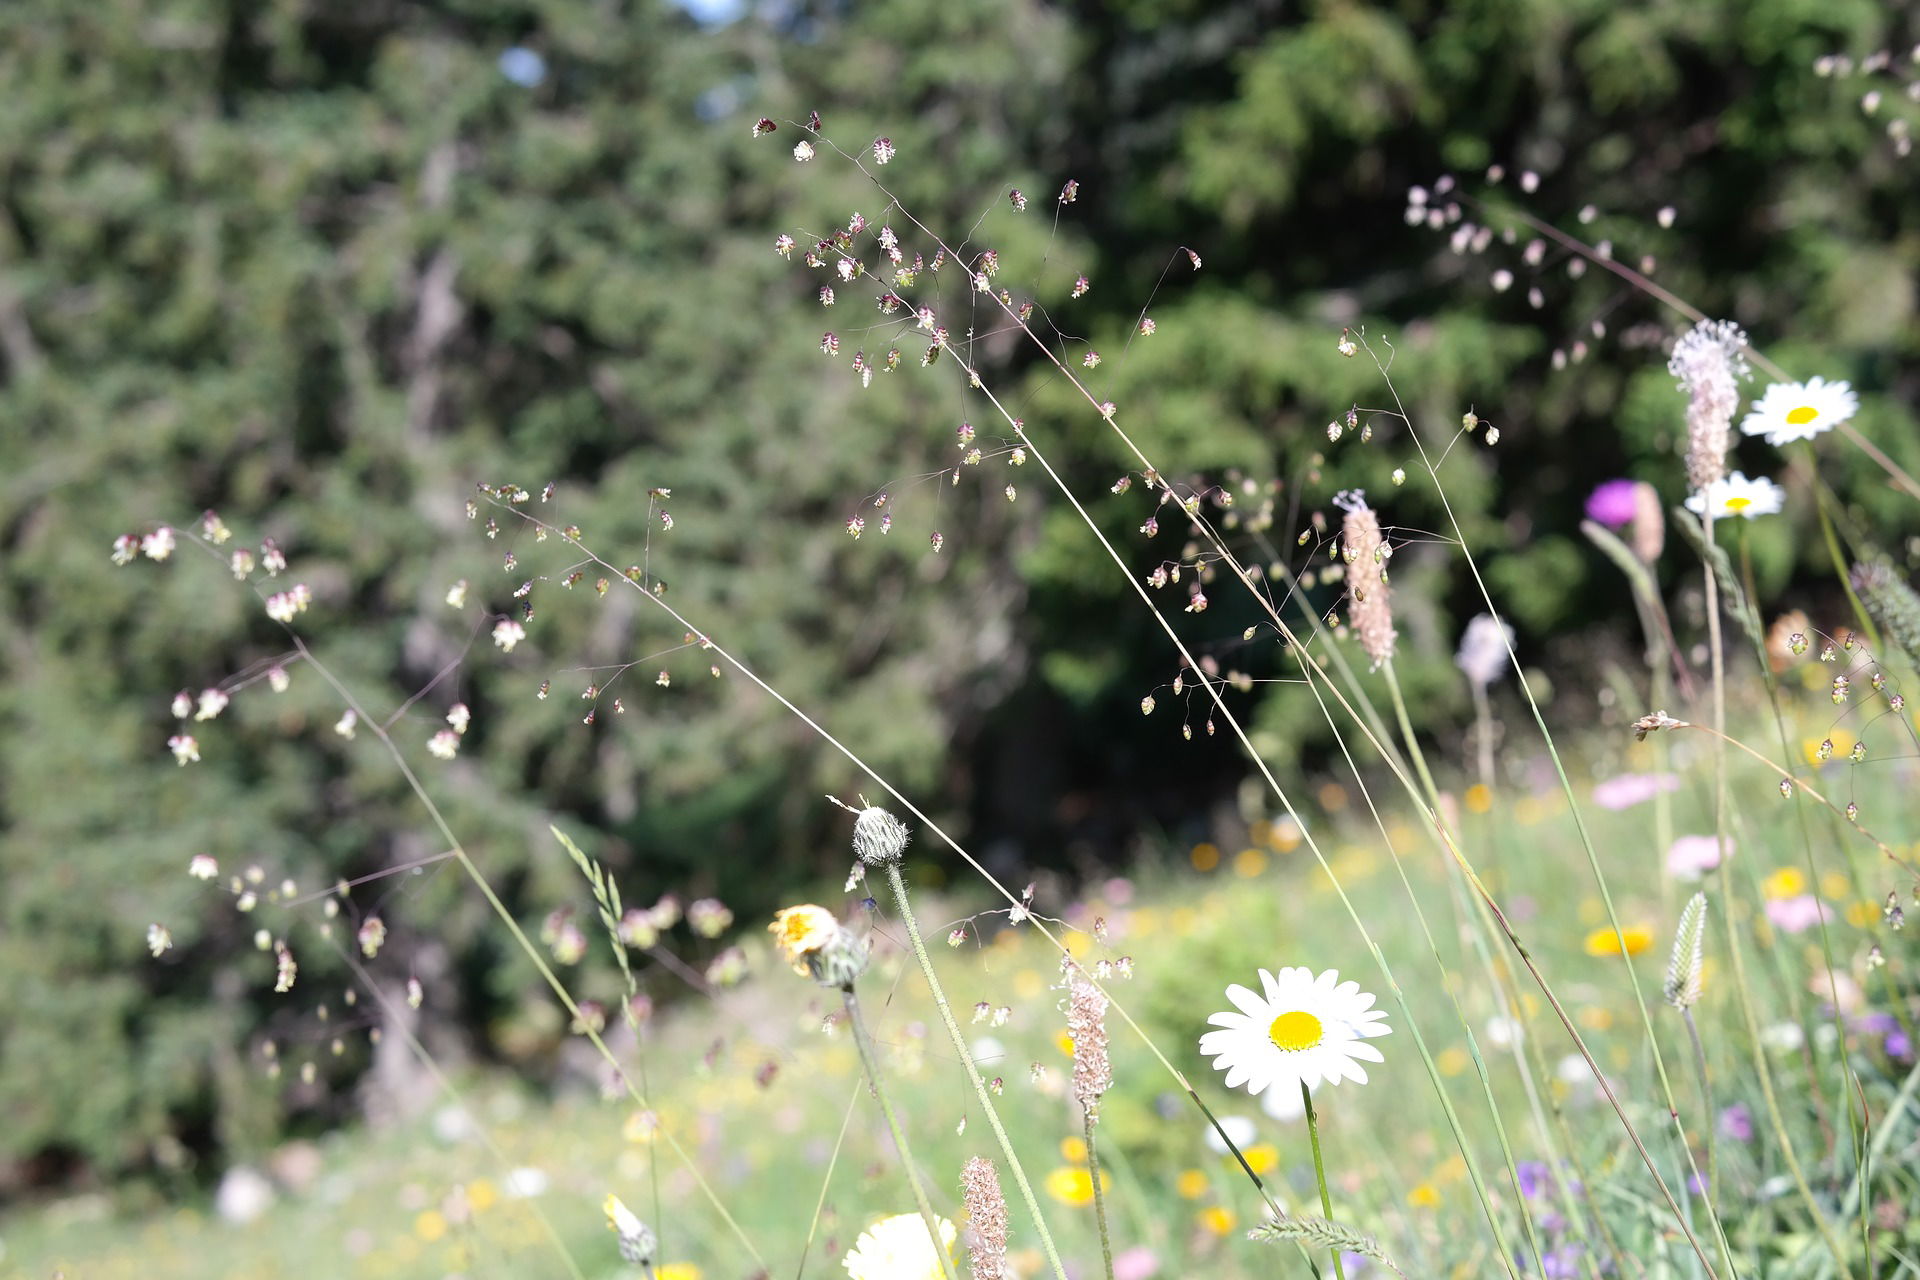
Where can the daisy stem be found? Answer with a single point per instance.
(1320, 1172)
(1099, 1199)
(899, 885)
(864, 1042)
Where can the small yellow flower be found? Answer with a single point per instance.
(429, 1225)
(1453, 1060)
(1073, 1150)
(677, 1271)
(1787, 882)
(1594, 1018)
(1191, 1184)
(1075, 1186)
(1217, 1219)
(1064, 1043)
(798, 932)
(1205, 857)
(481, 1195)
(1262, 1158)
(1424, 1196)
(1479, 798)
(1863, 915)
(1632, 940)
(1834, 884)
(1249, 863)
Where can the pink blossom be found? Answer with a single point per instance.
(1137, 1263)
(1630, 789)
(1797, 915)
(1691, 857)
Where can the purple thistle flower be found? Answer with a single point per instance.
(1613, 504)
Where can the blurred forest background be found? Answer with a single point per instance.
(325, 266)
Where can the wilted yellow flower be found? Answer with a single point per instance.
(1632, 940)
(798, 932)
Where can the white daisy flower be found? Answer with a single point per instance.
(1792, 411)
(1735, 495)
(1302, 1030)
(899, 1248)
(1239, 1131)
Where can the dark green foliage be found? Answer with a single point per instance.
(325, 268)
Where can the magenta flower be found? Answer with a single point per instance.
(1612, 504)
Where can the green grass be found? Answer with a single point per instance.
(379, 1206)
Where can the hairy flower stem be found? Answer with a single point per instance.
(1099, 1197)
(864, 1042)
(1733, 929)
(898, 884)
(1320, 1172)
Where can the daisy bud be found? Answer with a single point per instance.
(1647, 532)
(637, 1243)
(879, 838)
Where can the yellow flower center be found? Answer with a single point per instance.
(1295, 1030)
(1737, 505)
(1803, 415)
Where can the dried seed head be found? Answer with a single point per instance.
(1087, 1026)
(986, 1220)
(1364, 549)
(879, 838)
(1709, 362)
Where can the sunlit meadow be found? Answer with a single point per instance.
(1628, 997)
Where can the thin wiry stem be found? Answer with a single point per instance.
(1745, 1001)
(521, 940)
(399, 1023)
(898, 884)
(863, 1040)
